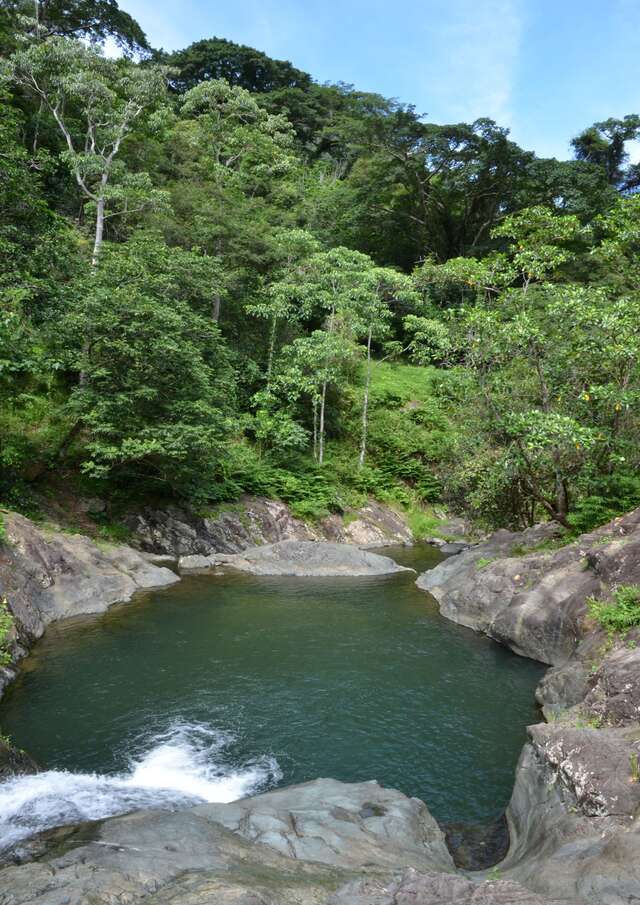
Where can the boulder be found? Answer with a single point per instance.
(296, 846)
(254, 521)
(451, 548)
(573, 816)
(518, 600)
(14, 761)
(179, 532)
(47, 575)
(612, 693)
(375, 525)
(306, 558)
(196, 562)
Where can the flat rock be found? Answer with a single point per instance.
(415, 888)
(308, 558)
(295, 846)
(196, 562)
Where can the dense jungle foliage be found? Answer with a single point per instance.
(219, 276)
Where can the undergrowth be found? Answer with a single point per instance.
(6, 624)
(619, 614)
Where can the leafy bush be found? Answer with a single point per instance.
(619, 614)
(6, 624)
(605, 499)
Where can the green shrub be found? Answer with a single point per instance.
(619, 614)
(6, 624)
(603, 500)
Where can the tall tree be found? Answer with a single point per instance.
(237, 64)
(96, 20)
(96, 103)
(604, 144)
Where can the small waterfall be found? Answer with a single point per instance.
(181, 767)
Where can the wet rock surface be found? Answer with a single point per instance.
(477, 846)
(321, 843)
(14, 761)
(574, 817)
(309, 558)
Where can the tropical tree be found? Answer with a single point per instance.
(96, 103)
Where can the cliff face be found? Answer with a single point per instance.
(574, 815)
(256, 521)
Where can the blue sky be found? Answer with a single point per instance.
(543, 68)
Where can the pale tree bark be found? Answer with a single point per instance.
(272, 348)
(365, 403)
(323, 399)
(315, 429)
(217, 298)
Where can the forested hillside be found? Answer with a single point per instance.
(220, 277)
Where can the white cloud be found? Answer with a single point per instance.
(633, 150)
(476, 44)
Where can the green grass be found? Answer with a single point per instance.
(553, 543)
(485, 561)
(423, 523)
(6, 624)
(407, 382)
(619, 614)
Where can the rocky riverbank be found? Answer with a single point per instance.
(574, 815)
(322, 843)
(48, 574)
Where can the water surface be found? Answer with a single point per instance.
(226, 684)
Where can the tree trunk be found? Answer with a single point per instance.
(272, 348)
(365, 403)
(217, 299)
(95, 257)
(562, 501)
(97, 245)
(315, 430)
(323, 398)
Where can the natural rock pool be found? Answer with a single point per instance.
(224, 685)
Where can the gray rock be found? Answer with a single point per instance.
(47, 576)
(613, 689)
(375, 526)
(289, 847)
(518, 600)
(196, 562)
(255, 521)
(415, 888)
(451, 548)
(179, 532)
(305, 558)
(14, 761)
(558, 847)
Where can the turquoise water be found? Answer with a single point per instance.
(226, 684)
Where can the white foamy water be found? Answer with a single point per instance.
(182, 767)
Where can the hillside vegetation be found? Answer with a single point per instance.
(219, 277)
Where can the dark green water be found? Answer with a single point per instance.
(351, 678)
